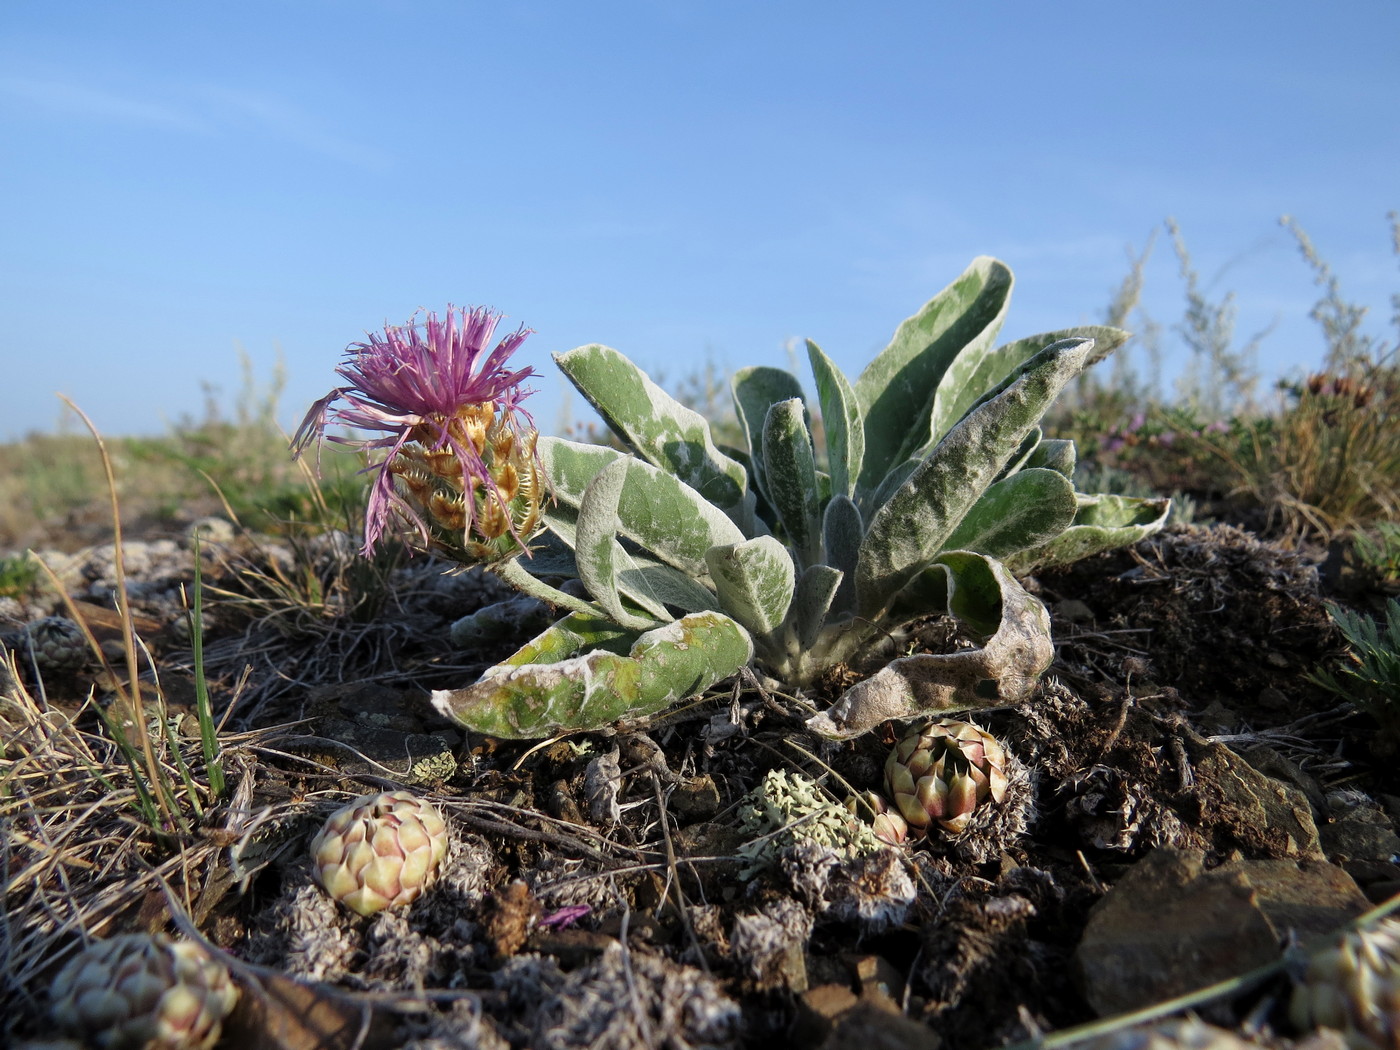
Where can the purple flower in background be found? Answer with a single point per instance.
(457, 441)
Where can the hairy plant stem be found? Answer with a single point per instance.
(511, 571)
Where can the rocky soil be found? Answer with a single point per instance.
(1184, 803)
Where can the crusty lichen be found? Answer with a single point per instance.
(786, 809)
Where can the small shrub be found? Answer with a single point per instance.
(1371, 677)
(19, 576)
(1378, 551)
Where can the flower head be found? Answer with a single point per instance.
(460, 462)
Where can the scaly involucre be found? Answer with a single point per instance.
(456, 439)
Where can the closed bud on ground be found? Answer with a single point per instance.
(57, 644)
(379, 851)
(889, 827)
(940, 774)
(1353, 986)
(1187, 1034)
(141, 990)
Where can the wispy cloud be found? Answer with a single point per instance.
(57, 97)
(281, 119)
(192, 109)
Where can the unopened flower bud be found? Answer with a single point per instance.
(380, 851)
(889, 827)
(57, 644)
(1353, 986)
(141, 990)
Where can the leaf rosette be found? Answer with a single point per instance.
(934, 488)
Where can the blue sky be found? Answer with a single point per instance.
(679, 180)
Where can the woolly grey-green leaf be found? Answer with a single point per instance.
(1101, 523)
(641, 577)
(870, 502)
(973, 375)
(596, 548)
(524, 699)
(1112, 337)
(845, 427)
(657, 427)
(655, 510)
(1001, 672)
(755, 390)
(792, 477)
(1021, 457)
(842, 532)
(812, 602)
(1026, 509)
(897, 390)
(1057, 454)
(754, 581)
(912, 527)
(651, 583)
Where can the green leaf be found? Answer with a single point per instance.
(1057, 454)
(574, 632)
(1112, 339)
(813, 600)
(550, 555)
(842, 532)
(1003, 671)
(897, 390)
(525, 698)
(656, 511)
(754, 580)
(645, 580)
(1101, 523)
(756, 390)
(1023, 510)
(909, 531)
(597, 550)
(1022, 455)
(893, 482)
(841, 418)
(792, 477)
(974, 374)
(657, 427)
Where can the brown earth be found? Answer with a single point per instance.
(1178, 783)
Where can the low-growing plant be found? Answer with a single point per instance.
(19, 576)
(1378, 552)
(1370, 677)
(1329, 461)
(937, 487)
(137, 722)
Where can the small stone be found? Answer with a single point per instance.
(1166, 928)
(1360, 833)
(1308, 898)
(1072, 610)
(209, 530)
(1275, 814)
(697, 798)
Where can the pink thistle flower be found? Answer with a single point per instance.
(460, 462)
